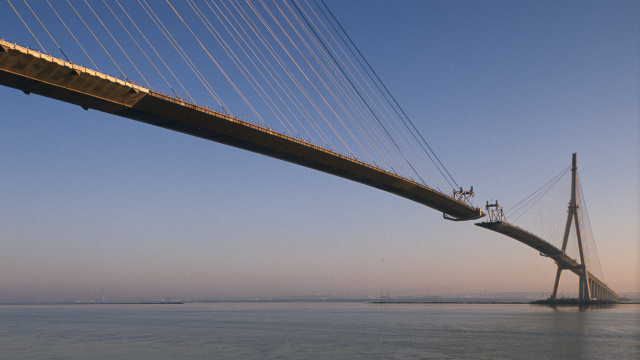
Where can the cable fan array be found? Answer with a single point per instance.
(288, 66)
(544, 213)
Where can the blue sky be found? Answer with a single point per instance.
(504, 92)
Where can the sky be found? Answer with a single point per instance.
(504, 92)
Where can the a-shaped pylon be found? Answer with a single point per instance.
(585, 285)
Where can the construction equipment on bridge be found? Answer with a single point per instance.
(464, 196)
(495, 213)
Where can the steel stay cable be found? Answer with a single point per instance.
(47, 31)
(218, 65)
(114, 40)
(127, 31)
(556, 229)
(27, 26)
(237, 61)
(381, 92)
(261, 63)
(277, 57)
(375, 104)
(94, 36)
(152, 48)
(326, 87)
(529, 205)
(372, 113)
(392, 97)
(290, 93)
(326, 43)
(332, 80)
(359, 110)
(294, 80)
(356, 104)
(541, 188)
(304, 75)
(379, 80)
(377, 97)
(74, 37)
(534, 200)
(174, 43)
(246, 73)
(345, 90)
(279, 81)
(369, 110)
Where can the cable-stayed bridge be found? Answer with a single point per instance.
(571, 246)
(305, 93)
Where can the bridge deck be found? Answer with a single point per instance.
(543, 247)
(34, 72)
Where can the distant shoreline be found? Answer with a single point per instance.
(97, 303)
(369, 301)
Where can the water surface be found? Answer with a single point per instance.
(318, 330)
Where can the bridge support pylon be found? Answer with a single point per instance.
(586, 287)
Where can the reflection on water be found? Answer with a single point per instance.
(319, 330)
(581, 307)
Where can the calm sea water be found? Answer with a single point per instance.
(318, 330)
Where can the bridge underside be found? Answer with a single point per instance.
(33, 72)
(601, 290)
